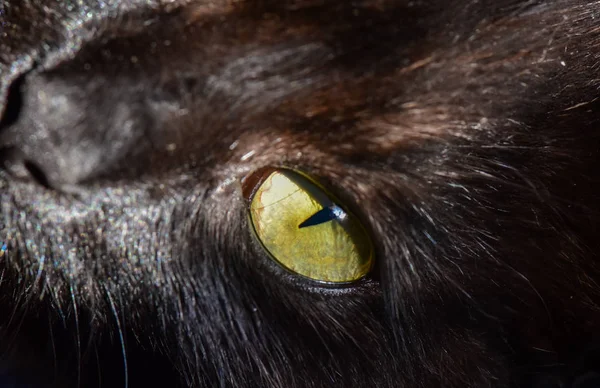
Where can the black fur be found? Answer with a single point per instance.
(464, 133)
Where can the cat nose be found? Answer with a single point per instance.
(60, 130)
(13, 160)
(34, 134)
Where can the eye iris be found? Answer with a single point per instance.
(307, 231)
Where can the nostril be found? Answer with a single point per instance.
(14, 103)
(36, 173)
(19, 167)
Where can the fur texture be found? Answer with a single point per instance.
(464, 133)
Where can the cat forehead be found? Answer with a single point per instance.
(289, 54)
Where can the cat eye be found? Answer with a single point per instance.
(305, 228)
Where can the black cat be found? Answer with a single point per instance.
(464, 135)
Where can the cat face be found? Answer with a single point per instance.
(460, 135)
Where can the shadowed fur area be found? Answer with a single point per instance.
(465, 135)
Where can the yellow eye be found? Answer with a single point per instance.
(305, 229)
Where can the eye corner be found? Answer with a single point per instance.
(253, 181)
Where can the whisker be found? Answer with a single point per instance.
(77, 333)
(121, 336)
